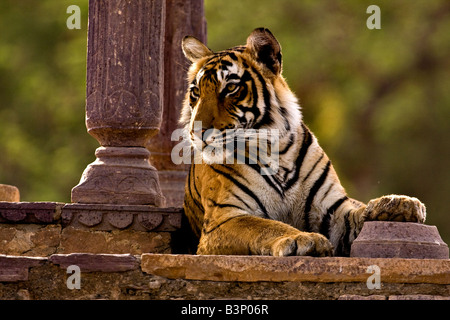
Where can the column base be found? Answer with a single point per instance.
(120, 175)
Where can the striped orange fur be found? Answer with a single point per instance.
(302, 209)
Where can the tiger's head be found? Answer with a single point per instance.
(238, 88)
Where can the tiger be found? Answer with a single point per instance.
(233, 208)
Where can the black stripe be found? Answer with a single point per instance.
(225, 221)
(272, 182)
(193, 176)
(284, 113)
(233, 56)
(345, 248)
(243, 188)
(196, 202)
(232, 76)
(225, 64)
(224, 205)
(241, 200)
(312, 192)
(235, 172)
(307, 141)
(328, 190)
(267, 117)
(325, 224)
(289, 145)
(254, 109)
(314, 166)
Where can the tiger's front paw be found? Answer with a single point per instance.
(304, 244)
(396, 208)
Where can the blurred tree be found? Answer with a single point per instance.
(43, 141)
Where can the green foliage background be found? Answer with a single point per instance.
(378, 100)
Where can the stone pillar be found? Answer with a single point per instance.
(9, 193)
(124, 94)
(182, 18)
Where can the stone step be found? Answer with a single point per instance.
(168, 276)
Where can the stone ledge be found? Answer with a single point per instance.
(276, 269)
(9, 193)
(30, 212)
(108, 217)
(13, 268)
(124, 276)
(96, 262)
(100, 217)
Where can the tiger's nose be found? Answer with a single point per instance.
(199, 133)
(207, 135)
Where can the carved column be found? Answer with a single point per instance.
(125, 78)
(182, 18)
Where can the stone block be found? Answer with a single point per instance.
(16, 268)
(278, 269)
(418, 297)
(96, 262)
(9, 193)
(29, 239)
(359, 297)
(386, 239)
(116, 242)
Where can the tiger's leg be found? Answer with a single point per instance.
(329, 210)
(345, 223)
(395, 208)
(241, 233)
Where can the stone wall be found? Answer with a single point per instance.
(124, 252)
(40, 229)
(162, 276)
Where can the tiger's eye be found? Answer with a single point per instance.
(232, 88)
(195, 91)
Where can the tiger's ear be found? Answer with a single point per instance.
(194, 49)
(263, 46)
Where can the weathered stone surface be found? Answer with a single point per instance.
(29, 239)
(182, 18)
(120, 175)
(107, 217)
(418, 297)
(359, 297)
(125, 77)
(45, 228)
(101, 280)
(96, 262)
(115, 242)
(385, 239)
(30, 212)
(9, 193)
(265, 268)
(16, 268)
